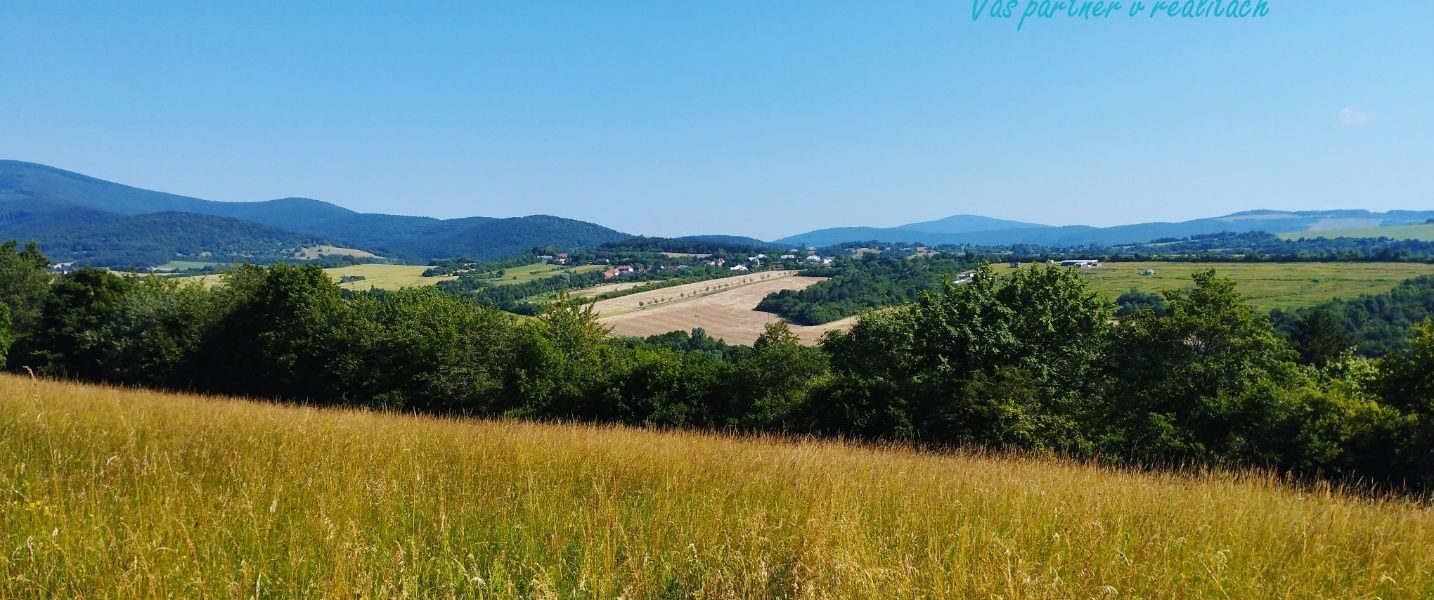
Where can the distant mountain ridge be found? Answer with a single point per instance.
(51, 206)
(969, 230)
(968, 224)
(77, 217)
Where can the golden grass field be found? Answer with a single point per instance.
(133, 494)
(725, 308)
(375, 276)
(1265, 285)
(385, 277)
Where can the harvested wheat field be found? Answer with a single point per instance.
(135, 494)
(607, 287)
(725, 308)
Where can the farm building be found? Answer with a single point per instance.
(1082, 263)
(618, 270)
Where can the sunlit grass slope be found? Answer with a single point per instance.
(1265, 285)
(110, 493)
(1423, 232)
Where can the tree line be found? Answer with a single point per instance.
(856, 285)
(1377, 324)
(1030, 360)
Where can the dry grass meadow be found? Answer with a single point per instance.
(106, 493)
(725, 308)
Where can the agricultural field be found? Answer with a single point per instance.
(1266, 285)
(384, 277)
(149, 495)
(725, 308)
(375, 276)
(184, 265)
(1424, 232)
(526, 273)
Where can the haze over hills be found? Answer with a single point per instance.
(60, 208)
(79, 218)
(965, 229)
(968, 224)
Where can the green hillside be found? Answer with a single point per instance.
(50, 205)
(151, 240)
(1423, 233)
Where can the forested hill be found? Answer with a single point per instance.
(44, 203)
(142, 241)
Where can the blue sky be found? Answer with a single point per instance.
(754, 118)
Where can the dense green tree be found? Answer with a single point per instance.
(774, 380)
(665, 387)
(68, 342)
(24, 285)
(877, 373)
(697, 340)
(1319, 338)
(999, 360)
(1136, 299)
(1205, 382)
(5, 334)
(153, 334)
(985, 341)
(565, 363)
(1408, 386)
(435, 352)
(285, 332)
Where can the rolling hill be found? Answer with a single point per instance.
(965, 229)
(54, 207)
(968, 224)
(148, 240)
(150, 495)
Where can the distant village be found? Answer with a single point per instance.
(807, 258)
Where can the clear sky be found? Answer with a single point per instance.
(757, 118)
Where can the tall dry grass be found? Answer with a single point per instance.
(121, 494)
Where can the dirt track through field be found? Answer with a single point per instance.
(725, 308)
